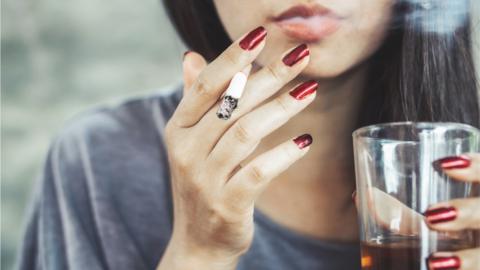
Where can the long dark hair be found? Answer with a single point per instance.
(416, 75)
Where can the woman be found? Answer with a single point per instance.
(162, 182)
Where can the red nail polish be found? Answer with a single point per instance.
(453, 162)
(252, 39)
(443, 263)
(185, 54)
(303, 140)
(295, 55)
(440, 214)
(304, 90)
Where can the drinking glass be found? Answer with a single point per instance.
(397, 179)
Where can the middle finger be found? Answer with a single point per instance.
(242, 138)
(260, 86)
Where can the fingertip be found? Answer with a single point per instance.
(185, 54)
(194, 60)
(303, 141)
(452, 162)
(445, 260)
(253, 39)
(193, 64)
(305, 90)
(297, 55)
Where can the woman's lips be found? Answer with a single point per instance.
(308, 23)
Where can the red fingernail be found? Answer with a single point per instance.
(443, 263)
(185, 54)
(440, 214)
(252, 39)
(304, 90)
(303, 140)
(453, 162)
(295, 55)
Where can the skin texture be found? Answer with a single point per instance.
(250, 161)
(360, 34)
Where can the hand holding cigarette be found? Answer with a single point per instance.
(213, 195)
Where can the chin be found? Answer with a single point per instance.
(325, 64)
(324, 70)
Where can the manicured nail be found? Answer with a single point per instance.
(303, 141)
(443, 263)
(354, 194)
(185, 54)
(252, 39)
(453, 162)
(295, 55)
(440, 214)
(304, 90)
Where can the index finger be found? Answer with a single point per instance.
(213, 80)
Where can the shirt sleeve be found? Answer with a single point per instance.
(103, 199)
(59, 233)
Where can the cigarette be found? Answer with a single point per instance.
(232, 95)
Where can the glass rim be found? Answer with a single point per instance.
(364, 130)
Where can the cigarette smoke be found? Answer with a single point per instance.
(437, 16)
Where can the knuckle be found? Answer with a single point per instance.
(192, 191)
(257, 174)
(274, 72)
(241, 133)
(288, 153)
(181, 159)
(231, 58)
(282, 104)
(203, 86)
(277, 72)
(182, 164)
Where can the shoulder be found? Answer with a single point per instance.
(107, 170)
(117, 153)
(109, 140)
(129, 117)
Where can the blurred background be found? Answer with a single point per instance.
(58, 59)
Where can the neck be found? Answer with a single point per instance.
(332, 118)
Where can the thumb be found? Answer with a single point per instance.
(193, 64)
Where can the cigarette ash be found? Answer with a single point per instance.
(227, 106)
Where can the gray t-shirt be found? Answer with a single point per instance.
(104, 201)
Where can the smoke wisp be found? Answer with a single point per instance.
(438, 16)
